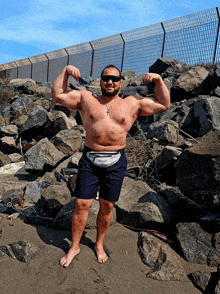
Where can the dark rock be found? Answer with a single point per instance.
(211, 82)
(164, 64)
(206, 115)
(195, 243)
(20, 106)
(57, 121)
(198, 174)
(35, 123)
(187, 82)
(22, 250)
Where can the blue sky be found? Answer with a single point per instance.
(32, 27)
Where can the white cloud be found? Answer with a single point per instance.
(58, 24)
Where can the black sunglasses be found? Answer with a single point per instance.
(112, 78)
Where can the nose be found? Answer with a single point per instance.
(110, 81)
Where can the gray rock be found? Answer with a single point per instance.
(22, 250)
(195, 243)
(129, 91)
(75, 158)
(35, 123)
(187, 82)
(41, 156)
(26, 86)
(20, 105)
(59, 192)
(20, 120)
(166, 131)
(165, 264)
(200, 280)
(67, 141)
(168, 155)
(206, 114)
(211, 82)
(139, 205)
(32, 192)
(58, 121)
(4, 159)
(128, 75)
(214, 256)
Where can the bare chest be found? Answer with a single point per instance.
(110, 112)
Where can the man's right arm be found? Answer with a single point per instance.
(68, 98)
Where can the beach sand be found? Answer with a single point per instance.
(124, 272)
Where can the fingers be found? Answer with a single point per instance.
(73, 71)
(150, 77)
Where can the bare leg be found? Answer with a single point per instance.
(103, 223)
(79, 221)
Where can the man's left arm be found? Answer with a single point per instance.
(161, 102)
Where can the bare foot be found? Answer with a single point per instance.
(101, 255)
(66, 260)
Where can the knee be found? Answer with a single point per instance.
(82, 205)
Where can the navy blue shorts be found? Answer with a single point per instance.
(108, 180)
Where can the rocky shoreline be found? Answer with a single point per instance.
(170, 196)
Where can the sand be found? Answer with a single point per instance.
(124, 271)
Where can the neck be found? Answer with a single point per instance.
(108, 98)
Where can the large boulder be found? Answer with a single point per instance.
(198, 171)
(44, 155)
(139, 205)
(26, 86)
(165, 264)
(206, 115)
(67, 141)
(166, 131)
(57, 121)
(187, 82)
(35, 123)
(163, 65)
(195, 243)
(210, 83)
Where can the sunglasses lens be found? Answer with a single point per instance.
(113, 78)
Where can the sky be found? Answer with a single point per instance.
(33, 27)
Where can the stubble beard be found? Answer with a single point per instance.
(107, 94)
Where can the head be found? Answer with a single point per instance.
(110, 82)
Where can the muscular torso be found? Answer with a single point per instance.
(107, 131)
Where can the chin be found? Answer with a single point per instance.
(109, 94)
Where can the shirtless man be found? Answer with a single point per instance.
(107, 120)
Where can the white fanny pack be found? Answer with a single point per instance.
(103, 158)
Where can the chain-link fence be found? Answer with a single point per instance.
(193, 39)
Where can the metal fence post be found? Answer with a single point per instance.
(164, 36)
(216, 42)
(91, 71)
(123, 52)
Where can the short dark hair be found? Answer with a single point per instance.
(111, 65)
